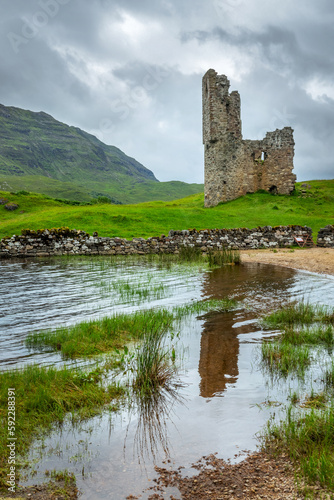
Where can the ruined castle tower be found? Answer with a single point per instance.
(233, 166)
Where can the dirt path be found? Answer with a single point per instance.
(318, 260)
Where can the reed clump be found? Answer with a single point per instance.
(304, 326)
(190, 254)
(219, 258)
(154, 367)
(316, 335)
(213, 258)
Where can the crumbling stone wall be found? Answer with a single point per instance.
(48, 243)
(326, 237)
(233, 166)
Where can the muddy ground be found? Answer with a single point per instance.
(51, 490)
(257, 477)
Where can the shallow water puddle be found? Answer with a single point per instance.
(225, 400)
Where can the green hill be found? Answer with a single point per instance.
(41, 154)
(312, 206)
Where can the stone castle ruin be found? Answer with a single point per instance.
(233, 166)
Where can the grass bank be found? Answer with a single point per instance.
(313, 207)
(307, 432)
(43, 397)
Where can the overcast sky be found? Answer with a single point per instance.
(130, 72)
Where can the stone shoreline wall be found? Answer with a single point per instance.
(326, 237)
(47, 243)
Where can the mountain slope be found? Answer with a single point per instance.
(37, 144)
(39, 153)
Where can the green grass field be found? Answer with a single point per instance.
(128, 191)
(313, 207)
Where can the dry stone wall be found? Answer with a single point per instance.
(326, 237)
(49, 243)
(233, 166)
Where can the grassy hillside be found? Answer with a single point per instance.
(41, 154)
(313, 207)
(127, 193)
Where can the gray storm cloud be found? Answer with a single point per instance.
(130, 72)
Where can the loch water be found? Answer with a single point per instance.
(225, 398)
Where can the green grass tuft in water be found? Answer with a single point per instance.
(97, 336)
(299, 313)
(308, 439)
(154, 368)
(306, 434)
(285, 359)
(223, 257)
(43, 397)
(94, 337)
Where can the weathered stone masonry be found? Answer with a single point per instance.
(326, 237)
(233, 166)
(50, 243)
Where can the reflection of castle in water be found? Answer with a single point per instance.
(219, 351)
(218, 364)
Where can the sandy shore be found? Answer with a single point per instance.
(318, 260)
